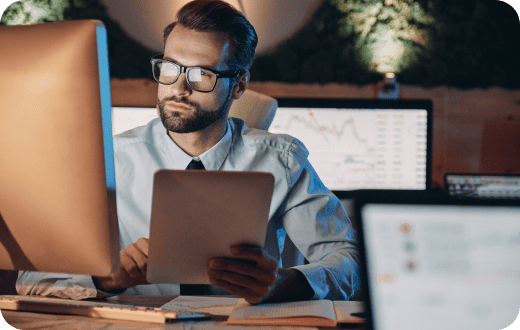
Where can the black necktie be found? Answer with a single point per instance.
(195, 289)
(195, 165)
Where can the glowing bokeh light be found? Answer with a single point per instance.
(386, 31)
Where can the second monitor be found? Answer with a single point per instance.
(364, 143)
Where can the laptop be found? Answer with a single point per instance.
(197, 215)
(475, 185)
(439, 263)
(362, 143)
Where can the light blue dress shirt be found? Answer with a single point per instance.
(301, 207)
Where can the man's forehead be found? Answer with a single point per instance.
(190, 47)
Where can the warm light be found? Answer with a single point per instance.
(384, 51)
(391, 34)
(390, 75)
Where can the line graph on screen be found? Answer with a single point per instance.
(361, 148)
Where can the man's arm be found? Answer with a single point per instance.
(321, 230)
(319, 227)
(132, 271)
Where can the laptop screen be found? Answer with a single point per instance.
(441, 266)
(362, 144)
(482, 185)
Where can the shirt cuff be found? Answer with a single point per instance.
(314, 275)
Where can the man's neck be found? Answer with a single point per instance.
(196, 143)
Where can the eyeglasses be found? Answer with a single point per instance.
(199, 78)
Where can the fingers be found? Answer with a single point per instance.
(132, 268)
(142, 245)
(133, 261)
(250, 274)
(241, 272)
(250, 295)
(255, 253)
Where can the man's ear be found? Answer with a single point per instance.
(240, 85)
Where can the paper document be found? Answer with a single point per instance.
(316, 308)
(211, 305)
(345, 310)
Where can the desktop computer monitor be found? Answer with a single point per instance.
(56, 154)
(439, 263)
(362, 144)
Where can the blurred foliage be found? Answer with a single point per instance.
(128, 58)
(459, 43)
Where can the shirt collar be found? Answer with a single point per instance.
(212, 159)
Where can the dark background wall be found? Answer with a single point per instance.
(460, 43)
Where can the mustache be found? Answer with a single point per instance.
(176, 99)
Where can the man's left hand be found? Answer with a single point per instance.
(254, 275)
(250, 274)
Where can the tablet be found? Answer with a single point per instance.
(197, 215)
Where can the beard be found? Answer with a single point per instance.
(193, 120)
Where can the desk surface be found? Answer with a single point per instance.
(30, 320)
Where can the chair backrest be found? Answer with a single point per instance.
(256, 109)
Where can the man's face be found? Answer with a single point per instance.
(183, 110)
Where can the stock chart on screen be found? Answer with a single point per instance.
(381, 146)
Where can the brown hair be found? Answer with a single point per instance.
(219, 16)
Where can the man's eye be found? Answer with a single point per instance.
(195, 75)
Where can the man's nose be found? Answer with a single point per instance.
(181, 86)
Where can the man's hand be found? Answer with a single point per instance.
(253, 275)
(132, 269)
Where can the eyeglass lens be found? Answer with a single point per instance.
(198, 78)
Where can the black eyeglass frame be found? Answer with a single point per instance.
(183, 69)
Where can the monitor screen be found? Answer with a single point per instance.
(57, 167)
(441, 266)
(482, 185)
(127, 118)
(362, 144)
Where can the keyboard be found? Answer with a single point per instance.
(95, 309)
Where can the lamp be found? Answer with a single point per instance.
(390, 88)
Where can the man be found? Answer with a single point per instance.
(207, 54)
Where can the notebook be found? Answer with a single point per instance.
(197, 215)
(440, 263)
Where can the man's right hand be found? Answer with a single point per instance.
(132, 269)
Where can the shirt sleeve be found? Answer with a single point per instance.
(319, 227)
(69, 286)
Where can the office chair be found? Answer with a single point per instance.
(257, 110)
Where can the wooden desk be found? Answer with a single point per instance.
(30, 320)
